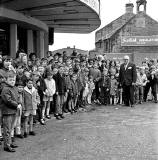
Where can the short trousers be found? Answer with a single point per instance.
(47, 98)
(30, 112)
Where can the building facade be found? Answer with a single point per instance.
(30, 24)
(133, 34)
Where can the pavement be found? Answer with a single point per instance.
(100, 133)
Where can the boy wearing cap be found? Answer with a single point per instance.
(20, 85)
(73, 93)
(67, 82)
(104, 87)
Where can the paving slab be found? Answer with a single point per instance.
(100, 133)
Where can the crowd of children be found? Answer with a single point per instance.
(31, 89)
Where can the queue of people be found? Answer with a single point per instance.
(34, 89)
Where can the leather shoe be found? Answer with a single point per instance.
(13, 139)
(74, 110)
(48, 117)
(42, 122)
(20, 136)
(32, 133)
(13, 146)
(62, 116)
(9, 149)
(1, 138)
(58, 118)
(25, 135)
(65, 110)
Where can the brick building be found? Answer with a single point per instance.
(133, 34)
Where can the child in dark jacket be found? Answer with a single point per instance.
(41, 87)
(67, 81)
(104, 87)
(60, 92)
(73, 93)
(1, 86)
(20, 74)
(10, 106)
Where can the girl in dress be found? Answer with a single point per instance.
(48, 94)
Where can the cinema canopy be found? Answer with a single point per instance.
(30, 24)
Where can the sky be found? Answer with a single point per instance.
(110, 10)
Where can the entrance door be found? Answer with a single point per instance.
(22, 39)
(4, 39)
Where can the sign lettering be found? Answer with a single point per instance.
(139, 40)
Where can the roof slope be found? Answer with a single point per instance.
(114, 26)
(110, 29)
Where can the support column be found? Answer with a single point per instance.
(40, 44)
(46, 46)
(30, 44)
(13, 40)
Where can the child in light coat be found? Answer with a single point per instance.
(48, 94)
(140, 83)
(113, 89)
(85, 91)
(91, 87)
(31, 100)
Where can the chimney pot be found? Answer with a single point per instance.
(129, 7)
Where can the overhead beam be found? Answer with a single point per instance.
(16, 17)
(54, 5)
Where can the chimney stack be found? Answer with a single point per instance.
(129, 7)
(139, 3)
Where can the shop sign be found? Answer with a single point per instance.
(139, 40)
(94, 4)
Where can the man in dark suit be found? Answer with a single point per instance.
(127, 79)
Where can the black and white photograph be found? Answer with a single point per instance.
(78, 80)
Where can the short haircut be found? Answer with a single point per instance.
(28, 79)
(10, 74)
(20, 83)
(74, 74)
(90, 77)
(41, 66)
(20, 65)
(44, 59)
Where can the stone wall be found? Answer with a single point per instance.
(140, 25)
